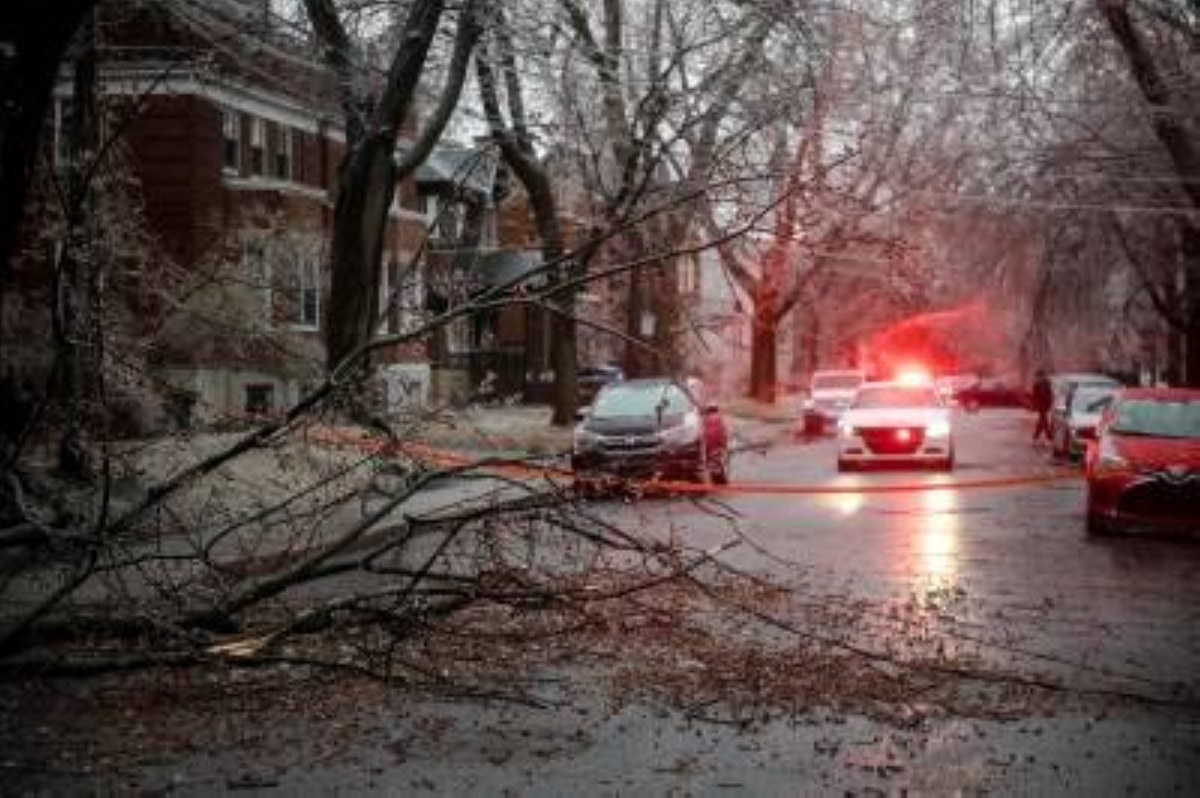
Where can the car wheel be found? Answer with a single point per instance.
(1096, 523)
(845, 466)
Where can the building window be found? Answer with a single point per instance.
(304, 293)
(427, 205)
(231, 141)
(285, 153)
(258, 146)
(258, 276)
(689, 277)
(260, 398)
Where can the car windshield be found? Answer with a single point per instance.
(836, 382)
(640, 400)
(1158, 418)
(1092, 399)
(896, 396)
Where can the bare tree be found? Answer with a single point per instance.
(370, 171)
(1177, 138)
(32, 46)
(515, 141)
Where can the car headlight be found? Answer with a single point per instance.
(845, 428)
(1108, 461)
(938, 429)
(585, 439)
(685, 433)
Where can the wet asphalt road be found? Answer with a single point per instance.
(1007, 562)
(1010, 569)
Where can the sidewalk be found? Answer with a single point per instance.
(513, 431)
(525, 430)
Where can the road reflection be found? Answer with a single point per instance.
(935, 538)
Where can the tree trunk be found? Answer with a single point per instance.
(368, 182)
(763, 344)
(516, 146)
(31, 49)
(75, 328)
(1190, 252)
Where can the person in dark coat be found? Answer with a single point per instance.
(1043, 399)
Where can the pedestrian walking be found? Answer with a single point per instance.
(1043, 399)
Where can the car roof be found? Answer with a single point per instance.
(895, 384)
(1083, 376)
(648, 382)
(1161, 394)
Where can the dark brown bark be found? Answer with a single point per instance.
(369, 172)
(763, 352)
(1177, 142)
(516, 146)
(32, 45)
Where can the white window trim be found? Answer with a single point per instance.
(232, 116)
(287, 147)
(307, 271)
(258, 141)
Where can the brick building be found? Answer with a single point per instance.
(232, 131)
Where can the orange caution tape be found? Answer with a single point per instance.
(447, 459)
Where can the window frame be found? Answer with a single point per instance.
(304, 293)
(258, 146)
(285, 154)
(231, 122)
(265, 390)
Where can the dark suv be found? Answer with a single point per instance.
(653, 427)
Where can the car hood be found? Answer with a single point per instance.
(631, 425)
(833, 395)
(1158, 452)
(895, 416)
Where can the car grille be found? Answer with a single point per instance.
(892, 440)
(631, 444)
(1164, 495)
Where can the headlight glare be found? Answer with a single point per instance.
(684, 433)
(938, 429)
(585, 440)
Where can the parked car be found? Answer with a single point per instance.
(991, 392)
(653, 427)
(1143, 469)
(591, 379)
(950, 385)
(894, 422)
(1074, 422)
(829, 394)
(1062, 385)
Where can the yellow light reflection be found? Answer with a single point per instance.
(844, 504)
(936, 541)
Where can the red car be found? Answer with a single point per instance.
(1143, 469)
